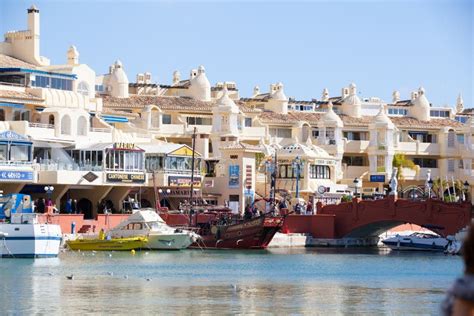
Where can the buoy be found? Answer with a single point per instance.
(133, 252)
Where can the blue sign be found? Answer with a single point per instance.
(10, 135)
(234, 176)
(16, 175)
(377, 178)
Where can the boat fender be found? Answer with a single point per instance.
(214, 229)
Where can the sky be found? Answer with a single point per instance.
(381, 46)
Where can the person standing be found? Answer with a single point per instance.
(40, 206)
(69, 206)
(74, 206)
(460, 298)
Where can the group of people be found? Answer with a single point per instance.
(48, 206)
(251, 211)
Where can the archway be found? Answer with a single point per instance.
(413, 192)
(145, 203)
(84, 206)
(51, 119)
(66, 125)
(82, 126)
(375, 229)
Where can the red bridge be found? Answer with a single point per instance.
(368, 218)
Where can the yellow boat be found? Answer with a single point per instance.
(107, 245)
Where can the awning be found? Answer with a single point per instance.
(12, 105)
(114, 119)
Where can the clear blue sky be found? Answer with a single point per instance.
(309, 45)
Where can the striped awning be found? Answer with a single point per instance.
(12, 105)
(114, 119)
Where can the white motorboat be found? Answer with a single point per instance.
(21, 235)
(148, 223)
(417, 241)
(455, 242)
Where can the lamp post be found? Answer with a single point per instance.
(267, 169)
(49, 191)
(430, 187)
(466, 190)
(356, 185)
(161, 192)
(297, 164)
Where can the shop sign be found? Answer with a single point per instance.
(377, 178)
(208, 183)
(16, 175)
(179, 193)
(126, 177)
(124, 146)
(12, 136)
(234, 171)
(174, 181)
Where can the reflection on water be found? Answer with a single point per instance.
(282, 281)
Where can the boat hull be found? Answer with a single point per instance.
(107, 245)
(169, 242)
(30, 240)
(404, 243)
(256, 233)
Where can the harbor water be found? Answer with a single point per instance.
(275, 281)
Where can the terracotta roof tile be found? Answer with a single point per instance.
(433, 123)
(10, 62)
(290, 118)
(18, 95)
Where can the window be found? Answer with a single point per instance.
(166, 119)
(19, 152)
(3, 152)
(319, 172)
(51, 119)
(462, 119)
(99, 88)
(287, 172)
(355, 160)
(423, 137)
(53, 83)
(83, 88)
(460, 138)
(280, 132)
(356, 135)
(439, 113)
(396, 111)
(2, 115)
(451, 138)
(315, 133)
(248, 122)
(199, 120)
(451, 165)
(426, 162)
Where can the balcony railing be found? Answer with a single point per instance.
(41, 125)
(15, 163)
(100, 129)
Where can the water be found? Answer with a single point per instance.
(280, 281)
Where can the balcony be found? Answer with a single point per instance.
(252, 132)
(356, 146)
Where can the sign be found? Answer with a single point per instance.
(174, 181)
(377, 178)
(124, 146)
(209, 183)
(90, 176)
(12, 136)
(16, 175)
(321, 189)
(234, 171)
(179, 193)
(125, 177)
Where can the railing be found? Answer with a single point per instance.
(175, 171)
(15, 163)
(49, 165)
(41, 125)
(100, 129)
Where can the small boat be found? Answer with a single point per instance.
(21, 234)
(417, 241)
(98, 244)
(455, 242)
(147, 223)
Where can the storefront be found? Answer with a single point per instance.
(15, 158)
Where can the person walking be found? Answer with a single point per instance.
(460, 297)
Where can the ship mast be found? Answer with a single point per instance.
(192, 179)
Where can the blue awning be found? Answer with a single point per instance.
(12, 105)
(114, 119)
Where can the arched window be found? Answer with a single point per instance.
(83, 88)
(82, 126)
(451, 138)
(66, 125)
(51, 119)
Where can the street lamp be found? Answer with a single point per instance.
(466, 190)
(49, 190)
(356, 185)
(430, 187)
(297, 164)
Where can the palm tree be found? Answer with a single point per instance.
(400, 162)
